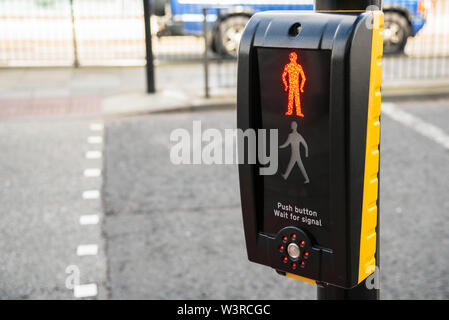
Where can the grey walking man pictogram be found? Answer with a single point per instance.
(295, 140)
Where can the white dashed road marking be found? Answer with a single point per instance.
(96, 126)
(87, 250)
(413, 122)
(92, 173)
(85, 290)
(91, 194)
(89, 219)
(94, 155)
(90, 290)
(95, 139)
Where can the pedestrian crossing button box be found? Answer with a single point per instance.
(314, 78)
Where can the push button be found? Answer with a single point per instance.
(293, 251)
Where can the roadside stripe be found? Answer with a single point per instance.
(96, 126)
(89, 219)
(89, 173)
(85, 290)
(424, 128)
(87, 250)
(91, 289)
(91, 194)
(95, 139)
(94, 154)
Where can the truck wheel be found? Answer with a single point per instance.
(159, 7)
(396, 32)
(228, 35)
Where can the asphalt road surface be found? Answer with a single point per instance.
(42, 183)
(175, 231)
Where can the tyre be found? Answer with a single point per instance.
(159, 7)
(228, 35)
(396, 32)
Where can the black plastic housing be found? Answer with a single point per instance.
(348, 37)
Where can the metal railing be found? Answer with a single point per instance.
(68, 32)
(112, 33)
(426, 56)
(85, 33)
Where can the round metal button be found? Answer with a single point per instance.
(293, 251)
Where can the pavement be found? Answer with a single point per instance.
(121, 91)
(112, 91)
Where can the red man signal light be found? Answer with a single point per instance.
(294, 71)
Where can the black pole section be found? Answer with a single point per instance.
(206, 54)
(149, 49)
(369, 289)
(220, 51)
(76, 62)
(346, 4)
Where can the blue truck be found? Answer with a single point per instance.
(228, 18)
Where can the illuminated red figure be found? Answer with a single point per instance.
(294, 69)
